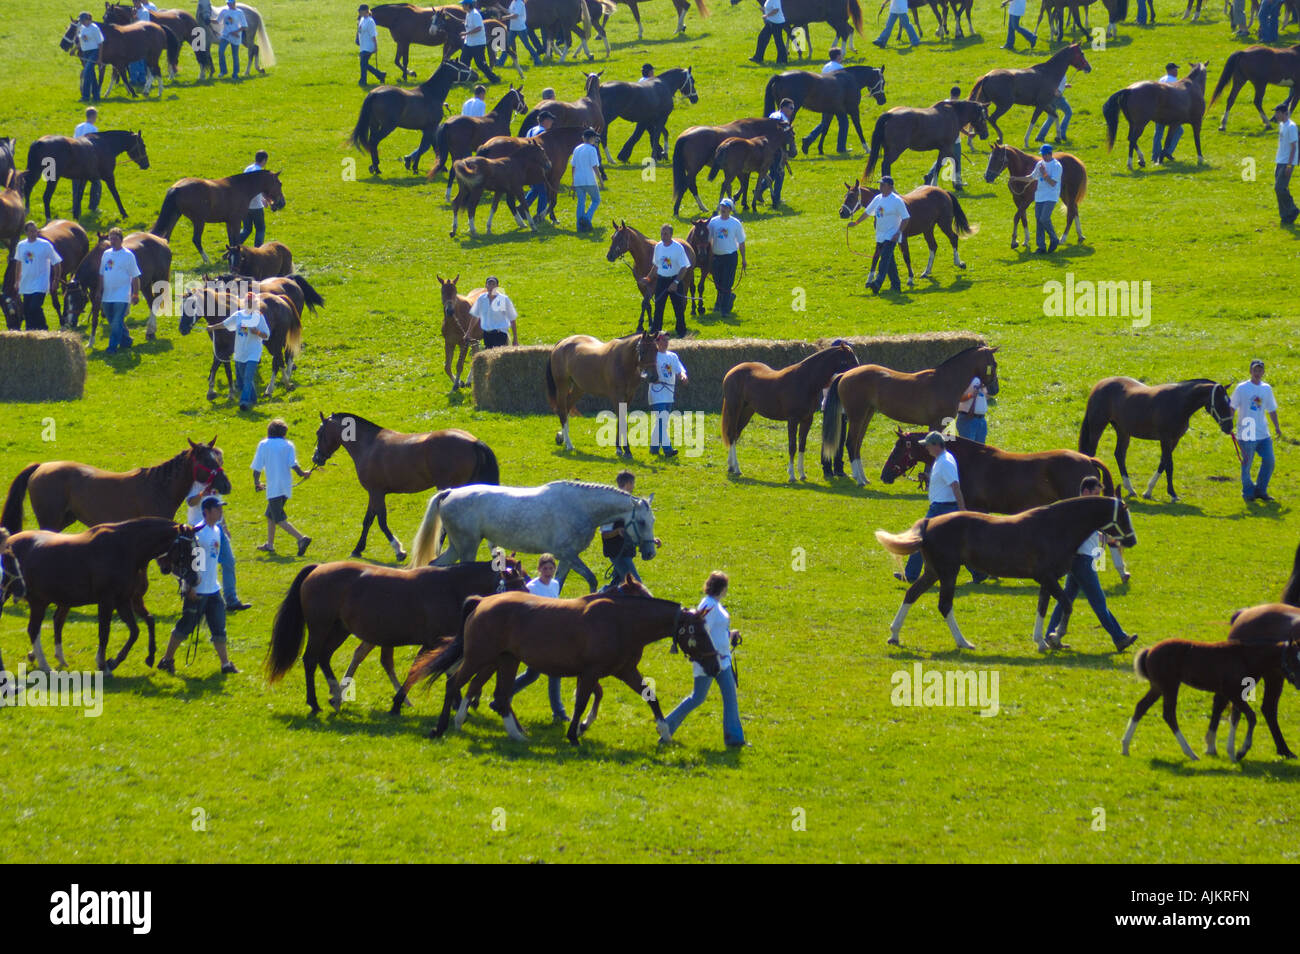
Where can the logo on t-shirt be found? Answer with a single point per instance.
(1256, 403)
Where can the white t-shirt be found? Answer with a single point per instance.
(494, 314)
(145, 9)
(535, 131)
(778, 116)
(1168, 78)
(1046, 192)
(208, 540)
(584, 161)
(1092, 546)
(900, 6)
(84, 129)
(520, 21)
(667, 367)
(89, 37)
(670, 259)
(116, 269)
(1060, 90)
(474, 107)
(718, 625)
(1252, 402)
(890, 212)
(1016, 9)
(37, 259)
(368, 35)
(1286, 143)
(248, 346)
(726, 235)
(474, 19)
(832, 67)
(256, 202)
(276, 458)
(773, 13)
(979, 403)
(230, 24)
(538, 588)
(943, 474)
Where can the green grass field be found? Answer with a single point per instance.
(872, 781)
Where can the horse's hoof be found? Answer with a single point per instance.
(401, 556)
(559, 438)
(148, 660)
(355, 555)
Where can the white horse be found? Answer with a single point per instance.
(257, 42)
(560, 518)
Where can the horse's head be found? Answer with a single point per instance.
(618, 242)
(640, 527)
(692, 638)
(988, 368)
(1220, 408)
(438, 25)
(182, 558)
(75, 299)
(975, 115)
(1120, 523)
(844, 359)
(12, 583)
(136, 151)
(877, 88)
(1197, 74)
(1078, 60)
(207, 460)
(534, 152)
(516, 100)
(997, 162)
(511, 575)
(698, 237)
(329, 438)
(234, 256)
(68, 44)
(592, 85)
(688, 89)
(632, 588)
(119, 14)
(788, 140)
(272, 189)
(908, 451)
(647, 356)
(852, 200)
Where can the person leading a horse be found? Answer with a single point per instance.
(1046, 174)
(254, 223)
(368, 44)
(776, 176)
(662, 393)
(496, 315)
(717, 623)
(890, 212)
(727, 244)
(89, 39)
(668, 279)
(205, 601)
(945, 496)
(474, 52)
(618, 548)
(774, 30)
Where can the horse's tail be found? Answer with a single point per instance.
(769, 96)
(435, 662)
(310, 295)
(361, 131)
(959, 219)
(265, 55)
(287, 631)
(168, 215)
(12, 519)
(855, 12)
(877, 144)
(1229, 68)
(1107, 482)
(552, 392)
(1090, 436)
(718, 161)
(831, 421)
(173, 50)
(293, 337)
(486, 469)
(1082, 191)
(1291, 595)
(905, 543)
(702, 7)
(586, 17)
(441, 149)
(428, 539)
(1110, 111)
(679, 172)
(1140, 663)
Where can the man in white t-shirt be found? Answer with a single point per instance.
(726, 245)
(1016, 10)
(1288, 153)
(89, 40)
(38, 264)
(898, 14)
(205, 602)
(945, 494)
(1251, 401)
(200, 491)
(119, 289)
(662, 390)
(250, 328)
(368, 43)
(476, 105)
(585, 163)
(669, 266)
(78, 185)
(545, 120)
(516, 20)
(971, 411)
(544, 584)
(1047, 191)
(254, 223)
(496, 315)
(776, 175)
(1162, 146)
(1062, 120)
(474, 52)
(277, 456)
(773, 29)
(231, 24)
(890, 212)
(647, 74)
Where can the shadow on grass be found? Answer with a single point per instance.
(843, 488)
(1220, 765)
(1065, 659)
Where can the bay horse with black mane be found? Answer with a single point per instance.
(558, 20)
(837, 94)
(407, 24)
(694, 149)
(70, 241)
(793, 395)
(582, 112)
(214, 302)
(844, 17)
(386, 108)
(581, 364)
(925, 398)
(648, 104)
(458, 137)
(558, 143)
(1259, 66)
(460, 329)
(1168, 104)
(123, 45)
(928, 207)
(1036, 86)
(1151, 413)
(738, 159)
(936, 127)
(91, 157)
(508, 176)
(7, 165)
(392, 462)
(1037, 545)
(640, 249)
(152, 254)
(1018, 164)
(182, 24)
(216, 200)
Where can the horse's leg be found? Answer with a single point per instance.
(587, 683)
(331, 643)
(309, 665)
(381, 514)
(597, 694)
(804, 427)
(1171, 719)
(359, 655)
(49, 193)
(198, 238)
(1272, 693)
(1220, 703)
(1039, 110)
(792, 440)
(858, 431)
(1238, 707)
(60, 616)
(1121, 460)
(507, 669)
(125, 610)
(1072, 218)
(34, 632)
(105, 622)
(365, 530)
(1167, 465)
(947, 591)
(993, 120)
(1238, 81)
(1016, 221)
(1196, 138)
(632, 678)
(1145, 703)
(582, 569)
(1260, 87)
(1044, 597)
(926, 580)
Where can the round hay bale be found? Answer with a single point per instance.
(41, 366)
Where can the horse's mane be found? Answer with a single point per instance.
(961, 353)
(162, 473)
(362, 422)
(1291, 595)
(592, 485)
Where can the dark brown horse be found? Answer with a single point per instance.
(936, 127)
(64, 492)
(52, 158)
(382, 607)
(1036, 86)
(452, 27)
(70, 241)
(648, 103)
(391, 462)
(386, 108)
(501, 177)
(695, 146)
(842, 16)
(407, 24)
(557, 20)
(926, 398)
(1259, 66)
(1074, 186)
(558, 143)
(581, 364)
(589, 639)
(1160, 413)
(1116, 13)
(182, 24)
(793, 395)
(1269, 624)
(8, 167)
(837, 94)
(154, 257)
(638, 247)
(269, 260)
(460, 329)
(458, 137)
(280, 300)
(581, 113)
(1168, 104)
(1037, 545)
(124, 45)
(681, 6)
(739, 158)
(928, 207)
(216, 200)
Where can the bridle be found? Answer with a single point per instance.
(632, 529)
(178, 568)
(212, 474)
(688, 646)
(845, 209)
(879, 86)
(1114, 522)
(1214, 412)
(687, 88)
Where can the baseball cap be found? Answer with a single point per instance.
(934, 437)
(884, 179)
(726, 203)
(211, 500)
(1044, 149)
(588, 133)
(545, 114)
(1256, 363)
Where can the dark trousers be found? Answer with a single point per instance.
(841, 138)
(775, 177)
(254, 224)
(90, 76)
(208, 606)
(724, 277)
(33, 314)
(663, 292)
(887, 268)
(79, 189)
(495, 339)
(771, 31)
(367, 69)
(1282, 186)
(477, 56)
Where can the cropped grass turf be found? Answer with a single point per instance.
(874, 782)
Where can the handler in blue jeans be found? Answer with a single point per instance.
(717, 623)
(1014, 13)
(251, 329)
(945, 496)
(1083, 577)
(1251, 401)
(898, 13)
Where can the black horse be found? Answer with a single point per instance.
(387, 107)
(1158, 413)
(648, 104)
(52, 158)
(837, 94)
(7, 165)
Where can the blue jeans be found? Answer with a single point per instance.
(531, 45)
(587, 194)
(234, 53)
(1062, 124)
(539, 193)
(1170, 144)
(894, 18)
(659, 432)
(1014, 27)
(115, 315)
(733, 733)
(775, 177)
(1268, 17)
(208, 606)
(1083, 577)
(887, 268)
(912, 571)
(246, 382)
(367, 69)
(90, 75)
(226, 559)
(530, 676)
(973, 427)
(1142, 13)
(1264, 448)
(1043, 217)
(622, 567)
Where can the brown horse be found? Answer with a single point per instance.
(581, 364)
(936, 127)
(1168, 104)
(1036, 545)
(700, 245)
(1074, 186)
(507, 177)
(837, 94)
(179, 22)
(841, 16)
(739, 158)
(386, 108)
(634, 244)
(793, 395)
(1116, 13)
(1152, 413)
(1259, 66)
(928, 207)
(458, 137)
(216, 200)
(381, 606)
(1269, 624)
(391, 462)
(154, 257)
(589, 639)
(695, 146)
(558, 143)
(556, 20)
(52, 158)
(1036, 86)
(270, 260)
(581, 113)
(124, 45)
(285, 343)
(681, 6)
(407, 24)
(926, 398)
(70, 241)
(104, 566)
(460, 329)
(1225, 669)
(7, 163)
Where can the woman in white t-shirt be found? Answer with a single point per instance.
(544, 584)
(717, 623)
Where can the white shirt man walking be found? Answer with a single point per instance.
(898, 13)
(667, 277)
(368, 44)
(474, 52)
(662, 392)
(38, 263)
(1288, 153)
(1047, 174)
(1251, 401)
(496, 315)
(773, 29)
(1162, 146)
(476, 105)
(585, 163)
(89, 39)
(231, 24)
(83, 129)
(726, 245)
(890, 212)
(250, 328)
(119, 289)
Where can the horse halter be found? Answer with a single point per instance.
(1114, 522)
(688, 645)
(845, 209)
(879, 86)
(687, 88)
(1214, 412)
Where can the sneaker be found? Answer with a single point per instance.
(1033, 41)
(1053, 247)
(879, 43)
(303, 544)
(672, 452)
(266, 548)
(1265, 498)
(383, 77)
(237, 605)
(1126, 642)
(229, 669)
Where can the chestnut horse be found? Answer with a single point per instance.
(154, 257)
(70, 241)
(270, 260)
(582, 112)
(793, 395)
(1151, 413)
(507, 177)
(1036, 86)
(695, 146)
(381, 606)
(124, 45)
(460, 329)
(1037, 545)
(391, 462)
(936, 127)
(558, 143)
(1169, 104)
(216, 200)
(628, 241)
(928, 207)
(407, 24)
(581, 364)
(926, 398)
(458, 137)
(1259, 66)
(739, 158)
(1074, 186)
(52, 158)
(178, 22)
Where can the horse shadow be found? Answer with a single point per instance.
(1068, 659)
(1272, 511)
(1162, 508)
(1221, 765)
(844, 489)
(375, 723)
(659, 41)
(516, 235)
(401, 182)
(144, 685)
